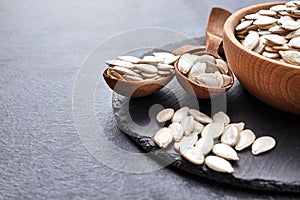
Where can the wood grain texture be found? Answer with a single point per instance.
(271, 81)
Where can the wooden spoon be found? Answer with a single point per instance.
(214, 32)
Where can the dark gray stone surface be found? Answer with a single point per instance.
(42, 45)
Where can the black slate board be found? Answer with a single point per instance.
(277, 170)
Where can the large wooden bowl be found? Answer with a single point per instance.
(136, 88)
(273, 82)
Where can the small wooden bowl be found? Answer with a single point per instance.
(198, 90)
(136, 88)
(273, 82)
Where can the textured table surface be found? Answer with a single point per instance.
(42, 46)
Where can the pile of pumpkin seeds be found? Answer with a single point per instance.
(148, 68)
(205, 70)
(210, 141)
(273, 33)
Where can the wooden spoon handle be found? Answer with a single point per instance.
(214, 30)
(189, 49)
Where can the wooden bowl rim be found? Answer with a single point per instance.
(141, 83)
(230, 33)
(202, 86)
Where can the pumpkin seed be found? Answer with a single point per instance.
(177, 131)
(230, 136)
(131, 59)
(208, 79)
(247, 137)
(251, 40)
(197, 69)
(163, 137)
(120, 63)
(292, 57)
(199, 116)
(263, 144)
(205, 144)
(193, 155)
(185, 63)
(180, 114)
(187, 141)
(218, 164)
(165, 115)
(295, 42)
(225, 151)
(198, 127)
(214, 130)
(244, 25)
(131, 78)
(221, 117)
(188, 125)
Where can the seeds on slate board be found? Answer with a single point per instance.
(149, 68)
(263, 144)
(247, 137)
(165, 115)
(218, 164)
(225, 151)
(194, 155)
(194, 141)
(204, 70)
(273, 32)
(230, 135)
(163, 137)
(205, 144)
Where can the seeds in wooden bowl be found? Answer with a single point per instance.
(148, 68)
(273, 33)
(200, 139)
(205, 70)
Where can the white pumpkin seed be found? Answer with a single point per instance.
(150, 69)
(292, 57)
(265, 20)
(230, 136)
(295, 42)
(244, 25)
(290, 25)
(221, 117)
(208, 79)
(199, 116)
(205, 144)
(218, 164)
(263, 144)
(131, 59)
(278, 8)
(206, 58)
(148, 75)
(168, 58)
(293, 34)
(193, 155)
(151, 60)
(240, 126)
(214, 130)
(226, 80)
(187, 141)
(185, 63)
(163, 137)
(197, 69)
(276, 39)
(225, 151)
(221, 64)
(120, 63)
(165, 115)
(198, 127)
(124, 70)
(164, 73)
(267, 12)
(251, 40)
(165, 67)
(132, 78)
(180, 114)
(188, 125)
(247, 137)
(177, 131)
